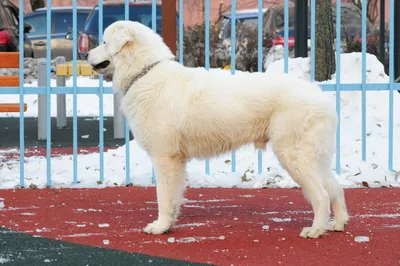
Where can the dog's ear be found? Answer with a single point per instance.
(121, 37)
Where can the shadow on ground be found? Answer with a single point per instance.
(23, 249)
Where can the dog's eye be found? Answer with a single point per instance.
(104, 42)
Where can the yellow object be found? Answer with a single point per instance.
(71, 70)
(62, 70)
(86, 70)
(227, 67)
(65, 70)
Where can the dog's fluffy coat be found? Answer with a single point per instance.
(178, 113)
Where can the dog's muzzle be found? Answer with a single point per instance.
(102, 65)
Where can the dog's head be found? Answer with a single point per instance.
(129, 44)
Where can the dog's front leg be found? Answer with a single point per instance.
(170, 173)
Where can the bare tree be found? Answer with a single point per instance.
(324, 54)
(372, 8)
(35, 4)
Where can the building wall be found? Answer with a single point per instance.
(193, 9)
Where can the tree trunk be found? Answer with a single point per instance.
(324, 40)
(35, 4)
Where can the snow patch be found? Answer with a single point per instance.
(361, 239)
(82, 235)
(383, 215)
(104, 225)
(4, 260)
(28, 213)
(190, 225)
(280, 220)
(88, 210)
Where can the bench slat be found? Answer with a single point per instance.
(9, 81)
(11, 107)
(9, 59)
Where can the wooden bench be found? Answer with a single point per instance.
(9, 60)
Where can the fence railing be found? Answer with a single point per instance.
(46, 90)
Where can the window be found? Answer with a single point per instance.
(245, 23)
(11, 16)
(63, 21)
(38, 23)
(112, 14)
(1, 17)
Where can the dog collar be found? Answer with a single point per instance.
(143, 72)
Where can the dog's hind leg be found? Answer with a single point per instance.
(336, 193)
(299, 149)
(305, 173)
(170, 173)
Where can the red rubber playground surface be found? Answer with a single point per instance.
(217, 226)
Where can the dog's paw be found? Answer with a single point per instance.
(311, 232)
(336, 226)
(157, 228)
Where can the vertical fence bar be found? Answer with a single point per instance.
(101, 99)
(391, 82)
(259, 35)
(181, 31)
(233, 61)
(154, 28)
(259, 64)
(313, 40)
(75, 96)
(48, 93)
(364, 78)
(126, 8)
(127, 146)
(153, 15)
(338, 52)
(286, 36)
(207, 55)
(21, 97)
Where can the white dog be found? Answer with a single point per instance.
(178, 113)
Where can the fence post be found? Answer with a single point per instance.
(396, 45)
(169, 24)
(42, 106)
(61, 98)
(382, 32)
(119, 132)
(301, 28)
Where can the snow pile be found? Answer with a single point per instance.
(354, 172)
(350, 69)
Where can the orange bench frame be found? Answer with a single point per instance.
(9, 60)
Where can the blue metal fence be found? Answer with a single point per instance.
(101, 90)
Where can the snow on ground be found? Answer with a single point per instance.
(353, 170)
